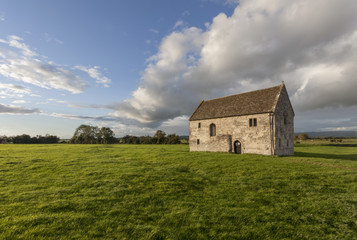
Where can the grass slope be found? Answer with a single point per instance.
(165, 192)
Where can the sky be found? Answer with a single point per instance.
(137, 66)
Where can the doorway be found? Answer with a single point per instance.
(237, 147)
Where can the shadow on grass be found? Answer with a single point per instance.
(340, 145)
(350, 157)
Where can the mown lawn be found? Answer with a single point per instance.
(166, 192)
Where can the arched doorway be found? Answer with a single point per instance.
(237, 147)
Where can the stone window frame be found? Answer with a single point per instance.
(198, 141)
(199, 125)
(212, 130)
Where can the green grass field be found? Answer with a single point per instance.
(166, 192)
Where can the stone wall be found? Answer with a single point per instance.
(284, 129)
(255, 139)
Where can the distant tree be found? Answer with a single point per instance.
(172, 139)
(106, 136)
(4, 139)
(85, 134)
(51, 139)
(146, 140)
(125, 139)
(303, 136)
(24, 138)
(159, 137)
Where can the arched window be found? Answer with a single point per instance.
(212, 130)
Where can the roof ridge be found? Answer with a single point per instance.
(213, 99)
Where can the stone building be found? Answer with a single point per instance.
(260, 122)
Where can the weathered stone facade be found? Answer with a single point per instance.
(268, 133)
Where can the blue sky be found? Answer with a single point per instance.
(138, 66)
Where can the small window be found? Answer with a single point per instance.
(287, 143)
(212, 130)
(279, 142)
(199, 125)
(198, 141)
(252, 122)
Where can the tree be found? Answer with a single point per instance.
(159, 137)
(106, 135)
(89, 135)
(303, 136)
(24, 138)
(172, 139)
(85, 134)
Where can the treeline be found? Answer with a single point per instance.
(27, 139)
(86, 134)
(159, 138)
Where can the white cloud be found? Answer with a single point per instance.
(19, 101)
(260, 45)
(16, 42)
(20, 63)
(95, 73)
(179, 24)
(15, 88)
(13, 91)
(153, 30)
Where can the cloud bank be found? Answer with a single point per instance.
(19, 62)
(16, 110)
(311, 45)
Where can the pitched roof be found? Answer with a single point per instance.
(260, 101)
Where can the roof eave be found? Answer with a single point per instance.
(239, 115)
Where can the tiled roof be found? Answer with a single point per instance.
(260, 101)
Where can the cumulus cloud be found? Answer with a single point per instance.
(16, 110)
(94, 72)
(311, 45)
(19, 62)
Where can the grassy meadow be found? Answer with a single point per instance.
(68, 191)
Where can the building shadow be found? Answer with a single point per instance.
(340, 145)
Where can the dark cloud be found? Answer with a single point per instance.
(17, 110)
